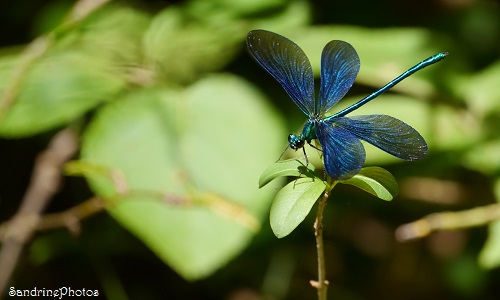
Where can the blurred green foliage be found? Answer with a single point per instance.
(166, 96)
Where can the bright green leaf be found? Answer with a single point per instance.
(196, 146)
(293, 203)
(234, 8)
(56, 90)
(484, 157)
(182, 50)
(294, 15)
(289, 167)
(482, 90)
(112, 34)
(376, 181)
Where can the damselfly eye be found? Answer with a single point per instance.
(295, 142)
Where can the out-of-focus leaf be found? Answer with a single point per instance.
(443, 127)
(289, 167)
(183, 50)
(111, 34)
(57, 89)
(293, 203)
(464, 274)
(407, 109)
(212, 139)
(484, 157)
(489, 257)
(482, 91)
(384, 53)
(83, 67)
(376, 181)
(234, 8)
(453, 128)
(294, 15)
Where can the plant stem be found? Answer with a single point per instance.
(322, 284)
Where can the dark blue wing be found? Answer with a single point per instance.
(343, 153)
(387, 133)
(339, 68)
(287, 63)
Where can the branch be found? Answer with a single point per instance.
(72, 217)
(44, 183)
(448, 221)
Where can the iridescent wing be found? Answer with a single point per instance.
(287, 63)
(387, 133)
(339, 68)
(343, 153)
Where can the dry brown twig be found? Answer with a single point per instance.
(45, 181)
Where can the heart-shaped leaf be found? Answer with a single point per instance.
(201, 149)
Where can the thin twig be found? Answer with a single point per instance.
(322, 284)
(72, 217)
(45, 181)
(448, 221)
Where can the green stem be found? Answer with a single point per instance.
(322, 284)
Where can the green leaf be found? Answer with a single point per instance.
(112, 34)
(198, 147)
(482, 91)
(82, 68)
(484, 157)
(489, 257)
(453, 132)
(290, 167)
(234, 8)
(56, 90)
(384, 53)
(407, 109)
(182, 50)
(293, 203)
(376, 181)
(294, 15)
